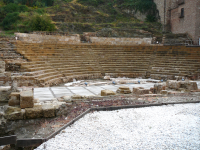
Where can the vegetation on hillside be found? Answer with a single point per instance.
(77, 16)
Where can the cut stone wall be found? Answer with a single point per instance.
(120, 41)
(190, 22)
(36, 38)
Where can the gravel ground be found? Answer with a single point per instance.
(164, 127)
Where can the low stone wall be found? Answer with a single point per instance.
(120, 41)
(36, 38)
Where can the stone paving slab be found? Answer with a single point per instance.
(43, 94)
(55, 92)
(95, 89)
(61, 91)
(109, 87)
(81, 91)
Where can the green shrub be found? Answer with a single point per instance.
(31, 2)
(40, 11)
(12, 7)
(23, 8)
(150, 18)
(9, 20)
(41, 23)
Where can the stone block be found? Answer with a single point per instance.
(26, 99)
(48, 111)
(107, 92)
(164, 92)
(159, 87)
(2, 70)
(35, 112)
(176, 85)
(77, 97)
(136, 89)
(173, 84)
(36, 100)
(61, 109)
(5, 93)
(106, 78)
(143, 91)
(13, 102)
(123, 90)
(188, 85)
(5, 88)
(13, 113)
(67, 98)
(15, 96)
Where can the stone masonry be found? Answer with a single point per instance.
(189, 21)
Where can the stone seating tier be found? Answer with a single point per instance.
(62, 62)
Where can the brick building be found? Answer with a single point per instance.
(181, 16)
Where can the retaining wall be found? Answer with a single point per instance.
(36, 38)
(120, 41)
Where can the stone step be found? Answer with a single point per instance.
(48, 78)
(46, 74)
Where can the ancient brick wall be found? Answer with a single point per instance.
(37, 38)
(120, 41)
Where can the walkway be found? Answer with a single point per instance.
(48, 93)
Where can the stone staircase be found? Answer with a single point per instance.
(7, 51)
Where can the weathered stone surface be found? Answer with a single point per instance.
(36, 100)
(14, 87)
(140, 90)
(15, 96)
(159, 87)
(173, 84)
(107, 92)
(13, 102)
(5, 93)
(143, 91)
(60, 108)
(13, 113)
(67, 98)
(77, 97)
(106, 78)
(35, 112)
(123, 90)
(2, 70)
(163, 92)
(191, 85)
(136, 89)
(26, 99)
(151, 95)
(187, 85)
(48, 110)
